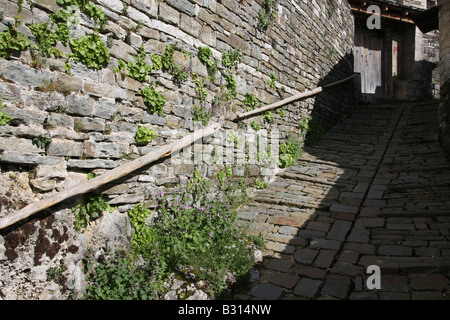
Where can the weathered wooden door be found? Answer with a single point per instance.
(369, 61)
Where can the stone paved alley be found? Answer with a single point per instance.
(375, 191)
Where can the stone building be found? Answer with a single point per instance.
(395, 58)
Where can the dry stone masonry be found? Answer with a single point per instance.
(69, 118)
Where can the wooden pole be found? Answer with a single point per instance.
(292, 99)
(107, 177)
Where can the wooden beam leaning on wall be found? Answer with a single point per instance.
(296, 97)
(109, 176)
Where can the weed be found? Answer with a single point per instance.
(201, 113)
(42, 143)
(205, 57)
(4, 118)
(290, 151)
(267, 15)
(260, 184)
(12, 42)
(251, 102)
(91, 208)
(153, 99)
(89, 50)
(145, 135)
(272, 81)
(231, 58)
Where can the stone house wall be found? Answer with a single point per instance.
(92, 116)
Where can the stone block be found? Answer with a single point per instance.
(185, 6)
(267, 291)
(169, 14)
(65, 148)
(80, 105)
(307, 287)
(336, 286)
(305, 255)
(281, 279)
(325, 244)
(150, 7)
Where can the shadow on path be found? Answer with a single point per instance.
(374, 191)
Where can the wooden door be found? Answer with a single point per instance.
(369, 61)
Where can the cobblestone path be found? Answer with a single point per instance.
(375, 191)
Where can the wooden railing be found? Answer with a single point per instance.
(131, 166)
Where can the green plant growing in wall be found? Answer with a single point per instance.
(201, 92)
(96, 13)
(179, 74)
(4, 118)
(45, 40)
(260, 184)
(167, 58)
(267, 15)
(231, 58)
(251, 102)
(206, 58)
(137, 69)
(153, 99)
(268, 116)
(12, 42)
(42, 142)
(202, 114)
(314, 133)
(255, 126)
(90, 208)
(156, 60)
(231, 87)
(272, 81)
(290, 151)
(89, 50)
(145, 135)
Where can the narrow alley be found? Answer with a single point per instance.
(374, 192)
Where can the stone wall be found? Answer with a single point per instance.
(444, 110)
(91, 116)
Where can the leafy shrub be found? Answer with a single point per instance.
(153, 99)
(202, 114)
(114, 276)
(251, 102)
(139, 69)
(267, 14)
(42, 142)
(91, 208)
(89, 50)
(231, 58)
(167, 58)
(4, 118)
(199, 229)
(12, 42)
(290, 151)
(156, 60)
(206, 57)
(145, 135)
